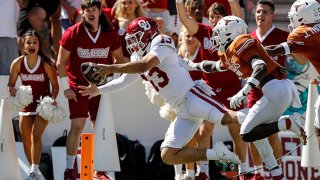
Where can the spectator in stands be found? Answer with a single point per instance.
(125, 11)
(94, 34)
(196, 10)
(56, 30)
(34, 14)
(69, 15)
(39, 72)
(8, 35)
(158, 9)
(216, 80)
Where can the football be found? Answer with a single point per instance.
(88, 69)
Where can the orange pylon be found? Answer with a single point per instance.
(87, 155)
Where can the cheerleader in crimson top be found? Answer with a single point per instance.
(39, 72)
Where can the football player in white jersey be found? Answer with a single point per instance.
(154, 58)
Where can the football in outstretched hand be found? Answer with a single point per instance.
(88, 69)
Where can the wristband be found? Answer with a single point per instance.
(179, 1)
(253, 81)
(64, 83)
(201, 67)
(286, 48)
(218, 68)
(246, 88)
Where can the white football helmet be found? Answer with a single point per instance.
(226, 30)
(303, 12)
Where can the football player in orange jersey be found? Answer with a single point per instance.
(246, 57)
(304, 38)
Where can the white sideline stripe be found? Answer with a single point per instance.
(23, 166)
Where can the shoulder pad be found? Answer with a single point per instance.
(298, 35)
(241, 43)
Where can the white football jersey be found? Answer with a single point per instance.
(169, 78)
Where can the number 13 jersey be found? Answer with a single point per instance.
(169, 78)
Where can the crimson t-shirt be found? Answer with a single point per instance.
(85, 46)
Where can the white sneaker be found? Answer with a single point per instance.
(32, 176)
(224, 154)
(297, 128)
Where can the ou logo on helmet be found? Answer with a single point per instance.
(145, 25)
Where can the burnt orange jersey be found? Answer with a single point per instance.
(306, 40)
(238, 55)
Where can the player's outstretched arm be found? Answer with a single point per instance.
(147, 62)
(124, 81)
(205, 66)
(190, 23)
(280, 49)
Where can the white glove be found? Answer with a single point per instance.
(204, 87)
(236, 100)
(187, 64)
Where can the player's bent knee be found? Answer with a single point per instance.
(247, 137)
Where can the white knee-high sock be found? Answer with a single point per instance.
(266, 153)
(204, 167)
(178, 169)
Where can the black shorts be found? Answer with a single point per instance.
(50, 6)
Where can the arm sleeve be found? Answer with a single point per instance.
(124, 81)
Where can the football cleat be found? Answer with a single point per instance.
(99, 175)
(225, 154)
(68, 175)
(280, 177)
(258, 176)
(202, 176)
(244, 176)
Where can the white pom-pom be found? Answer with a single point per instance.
(22, 99)
(152, 94)
(50, 112)
(167, 112)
